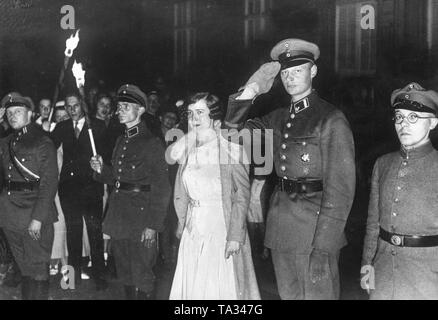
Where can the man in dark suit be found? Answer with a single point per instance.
(27, 210)
(80, 195)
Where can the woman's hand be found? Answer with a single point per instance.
(232, 248)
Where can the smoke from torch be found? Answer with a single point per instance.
(71, 44)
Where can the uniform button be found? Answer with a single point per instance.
(117, 190)
(133, 167)
(398, 188)
(120, 170)
(285, 177)
(283, 168)
(10, 168)
(288, 124)
(396, 200)
(286, 135)
(292, 116)
(72, 174)
(124, 148)
(126, 141)
(22, 160)
(283, 146)
(118, 177)
(120, 162)
(9, 193)
(405, 163)
(283, 157)
(142, 208)
(394, 214)
(304, 143)
(122, 156)
(9, 176)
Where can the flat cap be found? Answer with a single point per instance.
(15, 99)
(414, 97)
(294, 52)
(132, 94)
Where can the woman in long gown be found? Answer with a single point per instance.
(211, 201)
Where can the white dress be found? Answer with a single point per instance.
(202, 272)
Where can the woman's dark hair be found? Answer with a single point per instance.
(212, 101)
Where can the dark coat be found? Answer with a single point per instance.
(403, 200)
(314, 142)
(138, 159)
(37, 153)
(76, 177)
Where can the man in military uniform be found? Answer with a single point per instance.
(138, 204)
(401, 242)
(27, 210)
(314, 161)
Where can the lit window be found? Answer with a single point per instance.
(255, 19)
(355, 45)
(184, 33)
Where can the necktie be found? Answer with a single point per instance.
(77, 130)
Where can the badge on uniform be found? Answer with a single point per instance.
(305, 157)
(301, 105)
(132, 132)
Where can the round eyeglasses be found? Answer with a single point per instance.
(412, 118)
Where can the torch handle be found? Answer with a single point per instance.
(93, 146)
(58, 86)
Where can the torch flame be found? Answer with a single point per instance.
(79, 74)
(71, 44)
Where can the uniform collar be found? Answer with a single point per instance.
(26, 129)
(303, 104)
(135, 130)
(418, 152)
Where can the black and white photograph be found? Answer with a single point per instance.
(218, 150)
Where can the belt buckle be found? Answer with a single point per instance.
(397, 240)
(117, 184)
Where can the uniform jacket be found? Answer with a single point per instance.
(235, 202)
(138, 159)
(311, 140)
(37, 153)
(404, 196)
(76, 177)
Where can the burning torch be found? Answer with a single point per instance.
(70, 45)
(79, 75)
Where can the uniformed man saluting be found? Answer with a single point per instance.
(314, 160)
(138, 203)
(401, 242)
(27, 210)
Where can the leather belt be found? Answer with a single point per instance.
(300, 186)
(132, 187)
(401, 240)
(21, 185)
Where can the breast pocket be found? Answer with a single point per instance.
(306, 152)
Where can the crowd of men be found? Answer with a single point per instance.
(314, 166)
(63, 127)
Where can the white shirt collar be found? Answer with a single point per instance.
(81, 123)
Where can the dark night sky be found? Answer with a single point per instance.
(121, 41)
